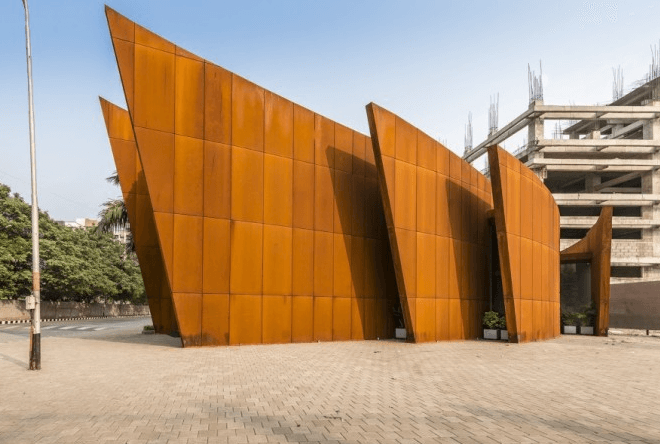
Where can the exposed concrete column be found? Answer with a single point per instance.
(536, 132)
(651, 184)
(590, 181)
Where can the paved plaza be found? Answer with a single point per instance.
(119, 386)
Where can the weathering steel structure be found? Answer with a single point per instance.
(247, 187)
(436, 212)
(595, 248)
(140, 216)
(527, 225)
(258, 221)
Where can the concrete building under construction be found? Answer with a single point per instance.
(597, 156)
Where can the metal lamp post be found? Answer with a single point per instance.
(33, 302)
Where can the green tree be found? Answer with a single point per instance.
(15, 245)
(76, 264)
(114, 215)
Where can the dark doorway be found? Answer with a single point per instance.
(575, 289)
(496, 302)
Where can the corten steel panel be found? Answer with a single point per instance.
(188, 308)
(357, 323)
(247, 185)
(279, 126)
(303, 195)
(217, 189)
(188, 176)
(245, 319)
(215, 319)
(276, 319)
(435, 208)
(527, 226)
(247, 129)
(303, 134)
(302, 319)
(246, 270)
(278, 243)
(341, 320)
(187, 254)
(342, 284)
(596, 247)
(189, 93)
(303, 262)
(216, 255)
(254, 197)
(217, 104)
(278, 190)
(140, 214)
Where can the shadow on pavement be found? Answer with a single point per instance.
(137, 338)
(13, 361)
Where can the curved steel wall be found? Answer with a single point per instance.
(140, 215)
(436, 212)
(596, 248)
(267, 214)
(527, 225)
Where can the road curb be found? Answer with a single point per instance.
(27, 321)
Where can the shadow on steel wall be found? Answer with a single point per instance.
(473, 284)
(357, 201)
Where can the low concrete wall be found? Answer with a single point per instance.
(15, 310)
(635, 305)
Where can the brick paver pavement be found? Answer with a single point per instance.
(135, 388)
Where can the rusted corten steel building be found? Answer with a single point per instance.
(527, 225)
(436, 212)
(256, 220)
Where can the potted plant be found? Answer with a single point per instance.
(587, 318)
(569, 322)
(400, 330)
(504, 333)
(494, 326)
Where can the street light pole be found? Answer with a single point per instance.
(35, 330)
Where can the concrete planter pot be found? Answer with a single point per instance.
(491, 334)
(504, 335)
(587, 331)
(570, 329)
(400, 333)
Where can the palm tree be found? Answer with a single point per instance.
(114, 216)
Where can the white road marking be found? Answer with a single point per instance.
(68, 328)
(84, 328)
(50, 326)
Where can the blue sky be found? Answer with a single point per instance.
(431, 62)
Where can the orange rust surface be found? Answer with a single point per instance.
(140, 216)
(267, 214)
(596, 248)
(435, 206)
(527, 225)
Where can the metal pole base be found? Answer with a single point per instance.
(35, 351)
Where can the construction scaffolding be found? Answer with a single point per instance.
(597, 156)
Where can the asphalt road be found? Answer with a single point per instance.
(79, 328)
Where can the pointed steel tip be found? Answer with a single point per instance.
(109, 10)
